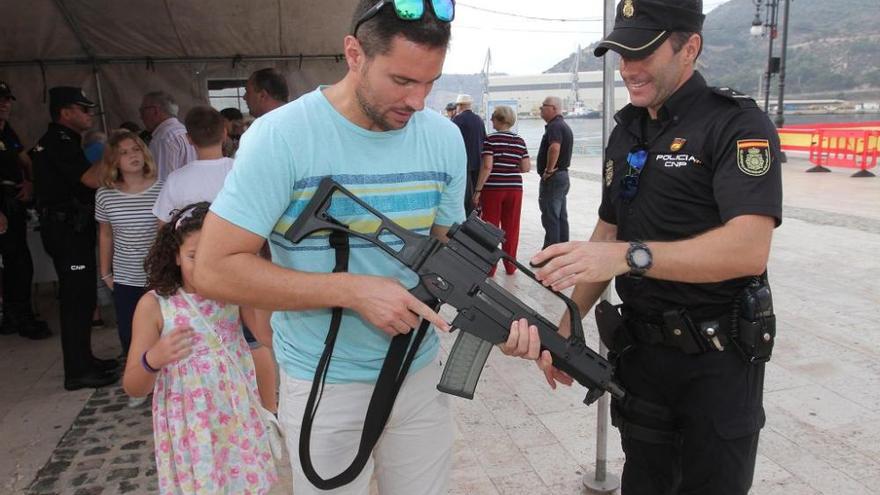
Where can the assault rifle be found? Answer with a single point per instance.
(455, 273)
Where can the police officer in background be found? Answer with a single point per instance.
(64, 186)
(691, 194)
(15, 196)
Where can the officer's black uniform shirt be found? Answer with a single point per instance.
(59, 163)
(712, 157)
(556, 131)
(10, 147)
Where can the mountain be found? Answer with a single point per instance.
(451, 85)
(833, 49)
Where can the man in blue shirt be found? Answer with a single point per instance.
(370, 133)
(473, 132)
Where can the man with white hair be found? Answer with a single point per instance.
(169, 146)
(473, 131)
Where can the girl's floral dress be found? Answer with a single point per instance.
(209, 437)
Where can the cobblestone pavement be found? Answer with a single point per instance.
(107, 450)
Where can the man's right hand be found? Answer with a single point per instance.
(388, 306)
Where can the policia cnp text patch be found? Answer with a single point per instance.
(753, 156)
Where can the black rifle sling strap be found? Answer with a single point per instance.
(391, 377)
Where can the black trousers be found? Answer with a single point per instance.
(125, 300)
(716, 404)
(73, 255)
(18, 267)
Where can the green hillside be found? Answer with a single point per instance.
(833, 49)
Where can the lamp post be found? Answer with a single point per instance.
(769, 27)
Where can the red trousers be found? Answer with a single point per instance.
(501, 207)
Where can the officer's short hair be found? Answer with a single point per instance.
(109, 169)
(205, 126)
(164, 101)
(273, 82)
(375, 34)
(504, 114)
(678, 38)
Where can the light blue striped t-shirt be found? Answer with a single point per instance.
(414, 175)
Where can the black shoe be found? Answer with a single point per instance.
(23, 322)
(34, 332)
(8, 328)
(92, 379)
(105, 365)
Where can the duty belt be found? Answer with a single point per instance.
(680, 331)
(56, 215)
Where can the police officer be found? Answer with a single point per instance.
(691, 194)
(15, 196)
(65, 184)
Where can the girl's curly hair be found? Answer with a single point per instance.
(163, 272)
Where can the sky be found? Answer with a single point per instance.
(520, 42)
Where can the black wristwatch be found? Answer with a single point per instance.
(639, 259)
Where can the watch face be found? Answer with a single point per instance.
(640, 257)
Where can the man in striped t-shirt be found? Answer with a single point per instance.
(499, 186)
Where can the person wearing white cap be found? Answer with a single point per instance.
(473, 131)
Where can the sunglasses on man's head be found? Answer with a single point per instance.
(629, 184)
(410, 10)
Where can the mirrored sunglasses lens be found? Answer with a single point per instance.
(444, 9)
(409, 10)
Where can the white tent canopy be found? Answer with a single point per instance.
(119, 50)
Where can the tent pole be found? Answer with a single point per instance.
(97, 74)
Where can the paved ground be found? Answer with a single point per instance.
(822, 393)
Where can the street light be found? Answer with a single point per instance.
(757, 29)
(774, 64)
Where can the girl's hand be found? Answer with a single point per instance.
(108, 281)
(171, 347)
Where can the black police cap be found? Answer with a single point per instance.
(5, 91)
(62, 96)
(643, 25)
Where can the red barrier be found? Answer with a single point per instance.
(847, 148)
(836, 125)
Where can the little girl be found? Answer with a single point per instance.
(126, 225)
(190, 351)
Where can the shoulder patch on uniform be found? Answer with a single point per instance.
(753, 156)
(741, 99)
(609, 172)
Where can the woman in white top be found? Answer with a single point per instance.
(127, 227)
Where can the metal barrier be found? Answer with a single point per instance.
(845, 148)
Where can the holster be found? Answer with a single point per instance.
(611, 327)
(755, 322)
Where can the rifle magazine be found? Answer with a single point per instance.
(464, 365)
